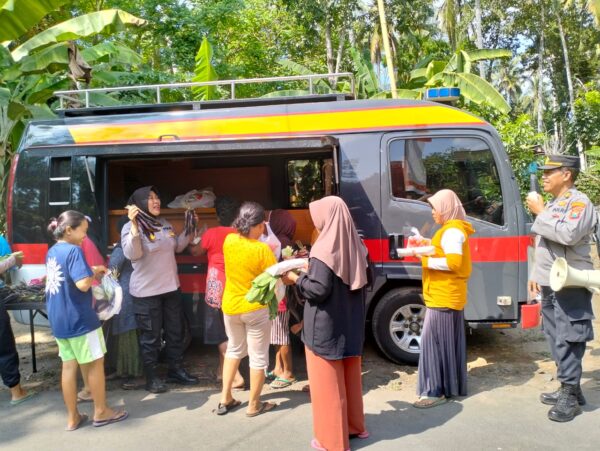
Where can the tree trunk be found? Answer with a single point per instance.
(563, 42)
(338, 58)
(479, 35)
(329, 48)
(540, 90)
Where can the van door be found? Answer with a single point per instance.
(474, 165)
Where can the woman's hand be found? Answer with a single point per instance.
(132, 212)
(289, 278)
(99, 271)
(18, 258)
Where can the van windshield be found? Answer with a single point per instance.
(420, 167)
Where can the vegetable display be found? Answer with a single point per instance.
(147, 223)
(23, 293)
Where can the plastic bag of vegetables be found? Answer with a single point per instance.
(108, 295)
(268, 289)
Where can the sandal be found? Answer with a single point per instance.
(222, 409)
(270, 375)
(119, 415)
(426, 402)
(82, 419)
(264, 407)
(281, 382)
(84, 396)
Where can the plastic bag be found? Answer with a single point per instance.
(204, 198)
(271, 239)
(416, 240)
(109, 296)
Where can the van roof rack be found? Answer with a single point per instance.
(81, 99)
(200, 105)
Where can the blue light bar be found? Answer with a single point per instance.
(442, 94)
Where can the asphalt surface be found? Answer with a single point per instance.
(507, 371)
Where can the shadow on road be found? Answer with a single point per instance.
(404, 420)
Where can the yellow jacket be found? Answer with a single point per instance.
(445, 276)
(244, 260)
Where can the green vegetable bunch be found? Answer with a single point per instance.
(263, 292)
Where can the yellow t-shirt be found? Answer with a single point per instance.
(244, 260)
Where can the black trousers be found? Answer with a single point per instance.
(154, 314)
(567, 323)
(9, 359)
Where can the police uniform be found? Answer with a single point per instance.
(563, 229)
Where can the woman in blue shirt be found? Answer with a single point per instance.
(73, 320)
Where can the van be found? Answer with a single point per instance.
(383, 157)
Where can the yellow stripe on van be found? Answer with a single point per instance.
(202, 128)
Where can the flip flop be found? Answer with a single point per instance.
(314, 444)
(427, 402)
(118, 416)
(264, 407)
(82, 419)
(81, 397)
(270, 375)
(362, 435)
(28, 396)
(222, 409)
(281, 382)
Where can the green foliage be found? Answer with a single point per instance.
(587, 124)
(204, 72)
(18, 16)
(521, 141)
(589, 180)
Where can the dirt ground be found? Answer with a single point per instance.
(507, 357)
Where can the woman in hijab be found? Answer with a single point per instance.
(443, 363)
(334, 324)
(283, 226)
(154, 287)
(123, 326)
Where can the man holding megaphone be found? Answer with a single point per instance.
(563, 227)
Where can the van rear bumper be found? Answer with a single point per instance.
(493, 324)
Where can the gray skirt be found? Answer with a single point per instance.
(443, 359)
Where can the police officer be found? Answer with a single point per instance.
(563, 229)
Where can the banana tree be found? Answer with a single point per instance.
(457, 72)
(31, 72)
(205, 71)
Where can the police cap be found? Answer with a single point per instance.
(560, 161)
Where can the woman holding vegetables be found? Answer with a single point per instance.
(334, 324)
(150, 242)
(247, 324)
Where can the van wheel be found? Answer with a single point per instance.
(397, 323)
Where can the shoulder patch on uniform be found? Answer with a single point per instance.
(576, 210)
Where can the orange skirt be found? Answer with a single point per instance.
(336, 400)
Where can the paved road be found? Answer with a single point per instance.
(506, 373)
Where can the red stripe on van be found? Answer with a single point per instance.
(33, 254)
(483, 250)
(190, 259)
(192, 283)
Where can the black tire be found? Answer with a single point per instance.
(397, 322)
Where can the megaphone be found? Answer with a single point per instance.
(562, 275)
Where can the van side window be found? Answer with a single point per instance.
(60, 182)
(309, 180)
(419, 167)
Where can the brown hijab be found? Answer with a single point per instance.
(338, 244)
(448, 205)
(283, 226)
